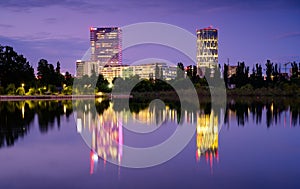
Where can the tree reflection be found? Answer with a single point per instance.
(16, 117)
(274, 109)
(49, 111)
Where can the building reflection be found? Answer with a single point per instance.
(105, 124)
(105, 128)
(207, 137)
(105, 131)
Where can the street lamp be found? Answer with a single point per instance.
(22, 85)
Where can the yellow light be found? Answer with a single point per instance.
(23, 111)
(272, 107)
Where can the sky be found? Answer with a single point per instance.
(58, 30)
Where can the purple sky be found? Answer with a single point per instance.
(250, 31)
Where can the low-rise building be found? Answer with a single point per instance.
(143, 71)
(85, 68)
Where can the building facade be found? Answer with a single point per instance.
(207, 50)
(86, 68)
(143, 71)
(106, 45)
(79, 68)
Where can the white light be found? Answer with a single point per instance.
(79, 125)
(95, 157)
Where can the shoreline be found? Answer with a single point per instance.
(167, 95)
(58, 97)
(47, 97)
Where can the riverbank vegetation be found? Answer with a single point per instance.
(17, 77)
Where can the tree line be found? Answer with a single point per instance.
(256, 79)
(17, 75)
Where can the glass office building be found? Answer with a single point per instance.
(207, 50)
(106, 47)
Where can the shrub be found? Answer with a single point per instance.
(11, 89)
(32, 91)
(2, 91)
(20, 91)
(67, 90)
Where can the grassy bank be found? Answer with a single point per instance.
(203, 93)
(47, 97)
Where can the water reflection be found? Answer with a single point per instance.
(104, 124)
(16, 117)
(208, 137)
(103, 131)
(274, 110)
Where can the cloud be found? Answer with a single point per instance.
(288, 35)
(209, 5)
(6, 26)
(50, 20)
(63, 49)
(79, 5)
(38, 3)
(173, 5)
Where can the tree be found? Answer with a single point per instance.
(256, 78)
(269, 69)
(295, 70)
(102, 84)
(68, 79)
(14, 68)
(189, 71)
(180, 71)
(241, 77)
(47, 75)
(225, 75)
(59, 78)
(57, 69)
(275, 73)
(43, 73)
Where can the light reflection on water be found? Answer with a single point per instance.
(106, 133)
(266, 127)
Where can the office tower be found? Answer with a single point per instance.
(207, 51)
(106, 46)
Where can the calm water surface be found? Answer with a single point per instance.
(43, 144)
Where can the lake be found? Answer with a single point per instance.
(250, 143)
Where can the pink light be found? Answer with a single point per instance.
(91, 162)
(217, 155)
(120, 141)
